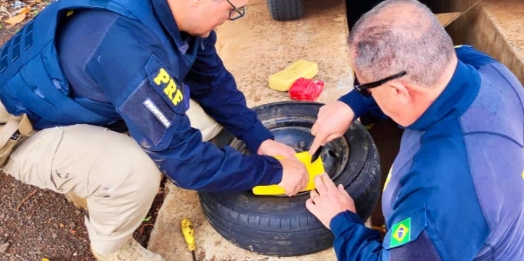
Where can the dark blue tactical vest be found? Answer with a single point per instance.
(31, 78)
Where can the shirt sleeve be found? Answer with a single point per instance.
(132, 68)
(406, 240)
(353, 240)
(215, 89)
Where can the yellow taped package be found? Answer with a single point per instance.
(282, 80)
(314, 169)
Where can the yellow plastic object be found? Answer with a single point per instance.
(189, 234)
(282, 80)
(314, 169)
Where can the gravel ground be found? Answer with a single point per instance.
(38, 224)
(35, 223)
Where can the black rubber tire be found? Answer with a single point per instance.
(285, 10)
(282, 226)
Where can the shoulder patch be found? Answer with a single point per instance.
(167, 84)
(407, 228)
(401, 233)
(157, 104)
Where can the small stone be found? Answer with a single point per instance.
(39, 238)
(54, 236)
(18, 4)
(3, 247)
(75, 254)
(72, 225)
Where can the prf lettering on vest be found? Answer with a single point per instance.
(170, 88)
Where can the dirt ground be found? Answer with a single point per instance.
(36, 224)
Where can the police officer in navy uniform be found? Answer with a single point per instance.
(81, 67)
(456, 188)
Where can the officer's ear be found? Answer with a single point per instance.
(401, 91)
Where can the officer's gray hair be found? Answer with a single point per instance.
(385, 45)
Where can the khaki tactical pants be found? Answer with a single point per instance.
(108, 168)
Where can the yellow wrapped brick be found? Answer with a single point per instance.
(282, 80)
(314, 169)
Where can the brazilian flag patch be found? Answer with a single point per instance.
(401, 233)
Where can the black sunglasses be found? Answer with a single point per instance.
(236, 13)
(364, 88)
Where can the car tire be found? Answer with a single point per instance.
(285, 10)
(282, 226)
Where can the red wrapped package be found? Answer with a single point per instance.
(306, 89)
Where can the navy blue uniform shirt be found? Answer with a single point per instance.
(456, 189)
(103, 55)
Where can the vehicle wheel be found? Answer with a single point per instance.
(285, 10)
(282, 226)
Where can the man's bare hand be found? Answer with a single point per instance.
(329, 201)
(333, 120)
(294, 176)
(275, 148)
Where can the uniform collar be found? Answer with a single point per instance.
(454, 100)
(164, 14)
